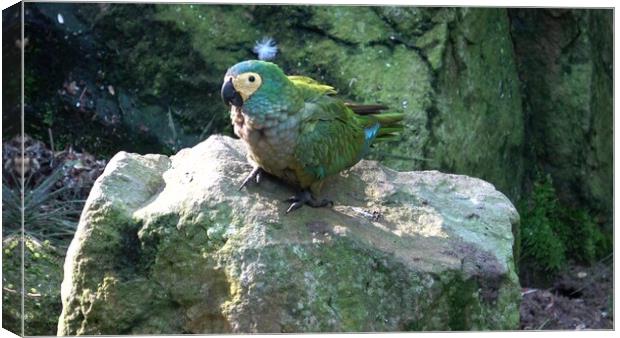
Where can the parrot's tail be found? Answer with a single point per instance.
(389, 123)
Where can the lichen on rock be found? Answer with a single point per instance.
(169, 245)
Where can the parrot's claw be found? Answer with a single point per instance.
(305, 197)
(255, 175)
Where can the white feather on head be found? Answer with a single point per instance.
(266, 49)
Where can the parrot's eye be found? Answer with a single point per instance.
(246, 84)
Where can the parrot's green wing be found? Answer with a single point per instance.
(311, 89)
(331, 139)
(336, 134)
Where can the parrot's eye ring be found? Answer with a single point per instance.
(246, 84)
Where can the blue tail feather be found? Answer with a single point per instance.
(371, 133)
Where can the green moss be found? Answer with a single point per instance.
(359, 24)
(116, 306)
(42, 278)
(434, 44)
(462, 305)
(478, 104)
(461, 300)
(214, 27)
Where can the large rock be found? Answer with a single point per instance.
(169, 245)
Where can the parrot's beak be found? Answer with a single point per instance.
(230, 95)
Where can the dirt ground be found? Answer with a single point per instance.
(580, 299)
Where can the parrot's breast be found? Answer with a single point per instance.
(270, 142)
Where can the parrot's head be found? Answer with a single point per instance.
(259, 89)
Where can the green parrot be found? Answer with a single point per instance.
(296, 130)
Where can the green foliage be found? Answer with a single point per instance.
(46, 214)
(552, 233)
(50, 219)
(540, 244)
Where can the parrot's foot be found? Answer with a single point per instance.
(255, 175)
(305, 197)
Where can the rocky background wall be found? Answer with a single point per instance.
(565, 61)
(521, 98)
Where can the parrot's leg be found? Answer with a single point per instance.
(305, 197)
(255, 175)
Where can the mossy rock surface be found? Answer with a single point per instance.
(169, 245)
(42, 278)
